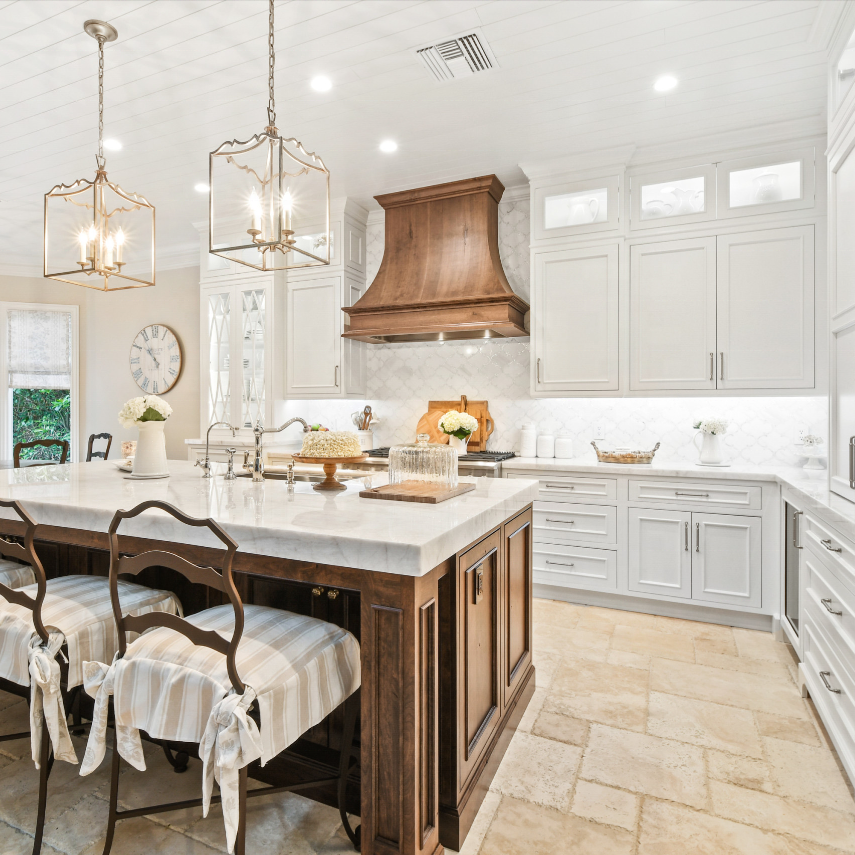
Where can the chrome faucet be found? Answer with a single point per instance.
(206, 463)
(258, 432)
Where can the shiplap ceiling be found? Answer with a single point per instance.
(574, 76)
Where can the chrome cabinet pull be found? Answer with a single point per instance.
(686, 541)
(560, 563)
(824, 675)
(827, 544)
(796, 515)
(852, 462)
(538, 369)
(826, 601)
(563, 522)
(697, 537)
(695, 495)
(336, 375)
(560, 486)
(712, 366)
(721, 365)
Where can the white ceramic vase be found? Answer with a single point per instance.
(150, 458)
(459, 445)
(710, 449)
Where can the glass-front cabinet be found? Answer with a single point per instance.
(766, 184)
(565, 209)
(237, 333)
(679, 196)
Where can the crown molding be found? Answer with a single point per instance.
(600, 160)
(520, 193)
(177, 257)
(825, 23)
(22, 267)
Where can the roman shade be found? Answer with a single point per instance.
(39, 349)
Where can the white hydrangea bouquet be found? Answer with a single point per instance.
(148, 414)
(459, 427)
(710, 431)
(717, 427)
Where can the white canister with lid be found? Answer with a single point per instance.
(528, 440)
(564, 445)
(546, 445)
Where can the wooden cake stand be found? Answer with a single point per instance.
(330, 464)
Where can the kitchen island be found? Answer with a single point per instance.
(439, 597)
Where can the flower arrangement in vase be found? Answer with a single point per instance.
(710, 431)
(148, 414)
(811, 450)
(459, 427)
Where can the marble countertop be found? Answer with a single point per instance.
(406, 538)
(809, 486)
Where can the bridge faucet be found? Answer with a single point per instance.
(258, 432)
(206, 463)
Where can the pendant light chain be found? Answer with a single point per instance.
(271, 105)
(100, 103)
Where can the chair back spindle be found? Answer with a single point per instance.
(45, 443)
(90, 454)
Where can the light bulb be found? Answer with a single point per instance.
(112, 145)
(665, 83)
(120, 241)
(287, 203)
(321, 83)
(255, 207)
(201, 188)
(108, 254)
(388, 146)
(83, 238)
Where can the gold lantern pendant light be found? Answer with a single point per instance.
(97, 234)
(272, 197)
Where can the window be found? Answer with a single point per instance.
(38, 358)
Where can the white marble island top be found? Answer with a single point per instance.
(327, 528)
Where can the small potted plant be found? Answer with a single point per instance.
(459, 427)
(148, 414)
(710, 431)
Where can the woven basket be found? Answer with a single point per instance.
(625, 456)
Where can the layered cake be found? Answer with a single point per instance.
(330, 443)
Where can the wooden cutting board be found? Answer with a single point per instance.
(428, 424)
(477, 409)
(416, 491)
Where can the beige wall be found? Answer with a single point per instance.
(108, 324)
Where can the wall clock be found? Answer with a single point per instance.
(156, 359)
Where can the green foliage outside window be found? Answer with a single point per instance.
(41, 414)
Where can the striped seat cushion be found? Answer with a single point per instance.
(300, 668)
(14, 575)
(79, 606)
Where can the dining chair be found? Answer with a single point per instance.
(47, 443)
(102, 454)
(242, 682)
(47, 630)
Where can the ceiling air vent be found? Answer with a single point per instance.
(458, 57)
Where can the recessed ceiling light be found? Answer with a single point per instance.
(388, 146)
(112, 145)
(201, 188)
(665, 83)
(321, 83)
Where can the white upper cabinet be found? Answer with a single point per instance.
(766, 184)
(672, 198)
(766, 309)
(673, 315)
(575, 310)
(575, 208)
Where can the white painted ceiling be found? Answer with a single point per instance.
(185, 75)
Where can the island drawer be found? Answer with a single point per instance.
(575, 566)
(831, 603)
(832, 548)
(562, 522)
(573, 488)
(695, 493)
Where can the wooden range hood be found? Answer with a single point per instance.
(441, 277)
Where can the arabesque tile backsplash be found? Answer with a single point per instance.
(402, 378)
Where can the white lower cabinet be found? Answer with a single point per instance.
(710, 558)
(575, 566)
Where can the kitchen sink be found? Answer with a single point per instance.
(299, 477)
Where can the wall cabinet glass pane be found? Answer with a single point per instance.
(219, 322)
(564, 209)
(673, 198)
(764, 185)
(576, 209)
(252, 322)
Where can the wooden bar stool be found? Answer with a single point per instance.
(242, 682)
(69, 614)
(101, 454)
(36, 443)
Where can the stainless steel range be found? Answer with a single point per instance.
(478, 464)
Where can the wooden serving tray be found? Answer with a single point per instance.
(415, 491)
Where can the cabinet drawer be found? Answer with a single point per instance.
(694, 493)
(570, 488)
(575, 566)
(562, 522)
(835, 551)
(832, 604)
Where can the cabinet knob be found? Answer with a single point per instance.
(316, 592)
(332, 593)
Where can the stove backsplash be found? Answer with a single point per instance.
(402, 378)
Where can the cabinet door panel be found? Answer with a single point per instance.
(842, 410)
(672, 315)
(517, 602)
(576, 320)
(660, 560)
(353, 352)
(842, 180)
(314, 337)
(726, 564)
(766, 309)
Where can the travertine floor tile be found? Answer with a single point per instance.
(652, 642)
(752, 644)
(731, 688)
(141, 836)
(556, 613)
(809, 822)
(760, 667)
(521, 828)
(693, 628)
(545, 665)
(808, 773)
(703, 723)
(724, 646)
(16, 719)
(605, 804)
(604, 619)
(630, 660)
(786, 727)
(597, 691)
(562, 728)
(79, 826)
(645, 764)
(532, 711)
(15, 842)
(668, 829)
(538, 770)
(481, 825)
(743, 771)
(560, 641)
